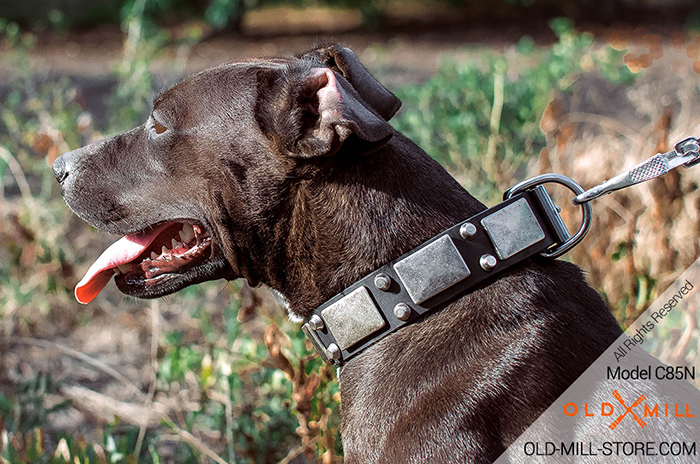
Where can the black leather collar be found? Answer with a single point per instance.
(427, 278)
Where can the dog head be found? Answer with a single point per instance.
(200, 189)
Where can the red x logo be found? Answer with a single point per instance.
(628, 410)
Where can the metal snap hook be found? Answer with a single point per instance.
(685, 153)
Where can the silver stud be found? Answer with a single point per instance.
(316, 322)
(487, 262)
(558, 208)
(402, 311)
(467, 231)
(333, 352)
(382, 282)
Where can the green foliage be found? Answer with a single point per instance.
(23, 410)
(243, 395)
(37, 121)
(220, 13)
(23, 415)
(132, 99)
(693, 21)
(480, 119)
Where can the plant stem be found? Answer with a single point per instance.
(490, 162)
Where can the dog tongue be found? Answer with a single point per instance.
(120, 252)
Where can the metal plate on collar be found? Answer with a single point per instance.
(432, 269)
(513, 228)
(352, 318)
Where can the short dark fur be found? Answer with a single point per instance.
(308, 213)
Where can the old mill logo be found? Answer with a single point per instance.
(628, 410)
(633, 410)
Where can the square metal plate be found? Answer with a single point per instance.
(353, 318)
(513, 228)
(432, 269)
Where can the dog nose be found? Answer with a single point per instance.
(60, 168)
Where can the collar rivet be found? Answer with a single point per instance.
(402, 311)
(316, 322)
(467, 231)
(382, 282)
(487, 262)
(333, 351)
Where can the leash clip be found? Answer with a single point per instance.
(572, 185)
(685, 153)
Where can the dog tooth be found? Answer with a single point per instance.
(175, 243)
(154, 255)
(124, 268)
(187, 233)
(164, 251)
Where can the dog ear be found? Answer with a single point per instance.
(343, 61)
(332, 115)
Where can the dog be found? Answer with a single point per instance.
(286, 172)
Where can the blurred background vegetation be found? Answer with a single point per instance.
(496, 92)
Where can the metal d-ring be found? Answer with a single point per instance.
(557, 250)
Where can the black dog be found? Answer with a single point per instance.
(285, 172)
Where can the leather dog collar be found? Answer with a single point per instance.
(457, 260)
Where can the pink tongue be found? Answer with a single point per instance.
(120, 252)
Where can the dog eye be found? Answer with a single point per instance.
(159, 128)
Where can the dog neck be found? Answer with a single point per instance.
(340, 229)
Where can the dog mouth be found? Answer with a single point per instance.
(148, 259)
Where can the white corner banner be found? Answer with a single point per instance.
(628, 406)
